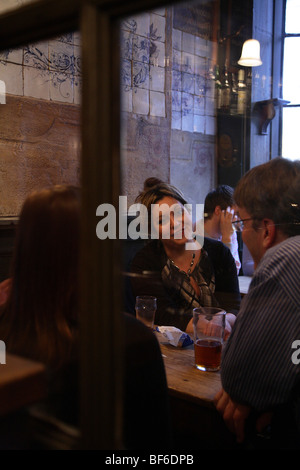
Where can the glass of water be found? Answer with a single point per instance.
(145, 308)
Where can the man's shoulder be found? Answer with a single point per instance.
(281, 262)
(215, 247)
(287, 251)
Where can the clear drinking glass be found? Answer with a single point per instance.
(145, 308)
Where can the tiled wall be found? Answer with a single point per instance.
(143, 64)
(143, 73)
(193, 106)
(40, 118)
(49, 70)
(168, 105)
(167, 95)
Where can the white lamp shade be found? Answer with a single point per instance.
(250, 54)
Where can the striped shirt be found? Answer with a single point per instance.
(257, 367)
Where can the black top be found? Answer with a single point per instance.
(217, 266)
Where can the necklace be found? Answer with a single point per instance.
(188, 273)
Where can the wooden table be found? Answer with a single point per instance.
(196, 422)
(185, 380)
(22, 382)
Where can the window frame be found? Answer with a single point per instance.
(284, 36)
(100, 322)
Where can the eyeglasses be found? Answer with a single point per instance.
(239, 224)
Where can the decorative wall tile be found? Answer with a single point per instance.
(200, 85)
(176, 60)
(63, 66)
(61, 90)
(187, 122)
(140, 24)
(188, 41)
(126, 45)
(157, 104)
(12, 55)
(77, 92)
(140, 49)
(188, 62)
(187, 112)
(188, 83)
(200, 66)
(199, 123)
(126, 101)
(176, 120)
(46, 70)
(140, 101)
(160, 11)
(199, 104)
(209, 106)
(200, 47)
(143, 63)
(126, 74)
(36, 84)
(176, 39)
(157, 53)
(36, 55)
(190, 56)
(158, 26)
(2, 92)
(140, 73)
(157, 78)
(12, 75)
(176, 80)
(176, 101)
(210, 125)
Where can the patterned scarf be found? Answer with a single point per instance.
(178, 283)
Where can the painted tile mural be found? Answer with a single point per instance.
(49, 70)
(143, 64)
(143, 72)
(193, 107)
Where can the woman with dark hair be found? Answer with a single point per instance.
(40, 317)
(181, 278)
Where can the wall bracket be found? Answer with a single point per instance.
(264, 111)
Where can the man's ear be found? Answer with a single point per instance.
(269, 233)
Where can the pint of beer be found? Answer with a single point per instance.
(209, 327)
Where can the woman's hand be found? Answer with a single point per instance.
(210, 327)
(229, 322)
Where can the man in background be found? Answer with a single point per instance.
(218, 218)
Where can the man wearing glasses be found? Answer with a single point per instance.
(260, 369)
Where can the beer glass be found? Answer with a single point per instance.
(209, 327)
